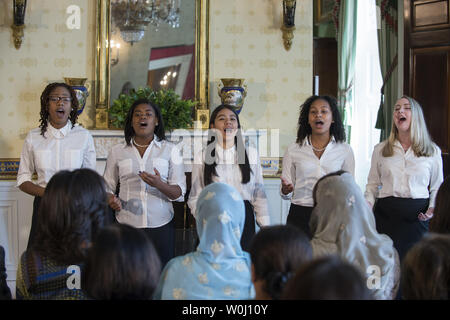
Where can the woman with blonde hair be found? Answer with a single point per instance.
(404, 177)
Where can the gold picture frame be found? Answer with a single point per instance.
(323, 10)
(103, 63)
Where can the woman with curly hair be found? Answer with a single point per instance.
(320, 149)
(58, 144)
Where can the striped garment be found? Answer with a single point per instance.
(39, 278)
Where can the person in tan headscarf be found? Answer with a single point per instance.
(343, 224)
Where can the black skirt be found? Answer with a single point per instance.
(299, 217)
(398, 218)
(163, 239)
(249, 226)
(34, 219)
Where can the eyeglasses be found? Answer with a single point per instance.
(63, 99)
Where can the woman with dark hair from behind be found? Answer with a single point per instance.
(226, 159)
(327, 278)
(440, 222)
(276, 253)
(72, 211)
(320, 148)
(150, 172)
(426, 269)
(122, 264)
(5, 292)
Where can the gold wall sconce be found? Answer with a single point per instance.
(18, 25)
(288, 26)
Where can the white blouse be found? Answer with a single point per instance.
(60, 149)
(144, 206)
(229, 172)
(404, 175)
(302, 168)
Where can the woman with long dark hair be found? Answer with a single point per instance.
(73, 210)
(320, 149)
(150, 173)
(58, 144)
(226, 159)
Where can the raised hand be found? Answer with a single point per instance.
(153, 180)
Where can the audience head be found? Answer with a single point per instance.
(426, 269)
(72, 211)
(158, 129)
(122, 264)
(68, 110)
(327, 278)
(440, 223)
(342, 223)
(304, 128)
(219, 268)
(276, 253)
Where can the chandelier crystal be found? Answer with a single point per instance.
(133, 16)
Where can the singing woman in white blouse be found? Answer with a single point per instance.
(58, 144)
(320, 149)
(404, 177)
(226, 159)
(150, 173)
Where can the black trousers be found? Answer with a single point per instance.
(397, 217)
(249, 226)
(299, 217)
(34, 220)
(164, 241)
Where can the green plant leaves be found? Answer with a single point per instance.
(176, 112)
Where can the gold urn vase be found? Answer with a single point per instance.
(232, 92)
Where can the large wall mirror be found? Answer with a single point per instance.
(170, 52)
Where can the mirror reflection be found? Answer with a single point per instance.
(152, 44)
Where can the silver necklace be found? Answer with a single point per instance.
(139, 145)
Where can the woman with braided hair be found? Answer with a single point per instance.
(58, 144)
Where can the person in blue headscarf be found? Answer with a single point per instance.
(219, 268)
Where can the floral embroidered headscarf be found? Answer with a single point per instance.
(219, 268)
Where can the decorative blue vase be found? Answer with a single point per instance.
(81, 90)
(232, 92)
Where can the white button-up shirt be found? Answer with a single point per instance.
(404, 175)
(144, 206)
(302, 168)
(60, 149)
(229, 172)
